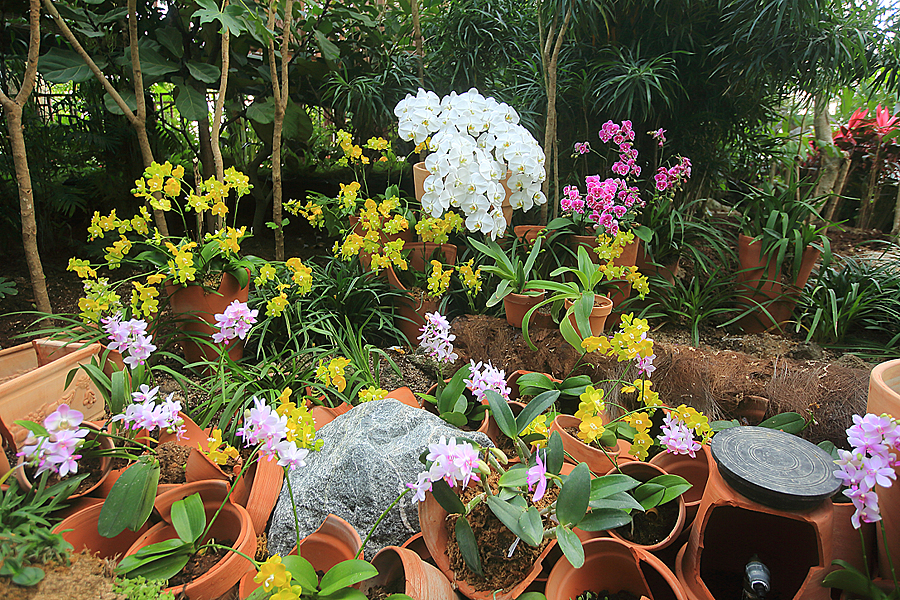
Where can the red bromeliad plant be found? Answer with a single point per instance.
(872, 147)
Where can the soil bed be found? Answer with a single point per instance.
(199, 564)
(651, 527)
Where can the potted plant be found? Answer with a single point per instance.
(777, 250)
(514, 289)
(586, 308)
(477, 151)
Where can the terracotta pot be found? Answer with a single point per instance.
(233, 523)
(645, 472)
(528, 232)
(847, 544)
(597, 460)
(406, 396)
(334, 541)
(796, 546)
(263, 484)
(411, 312)
(884, 397)
(417, 544)
(105, 463)
(695, 470)
(759, 282)
(323, 415)
(80, 530)
(422, 581)
(602, 307)
(751, 410)
(34, 383)
(212, 491)
(649, 268)
(516, 305)
(610, 564)
(197, 310)
(433, 522)
(193, 434)
(420, 173)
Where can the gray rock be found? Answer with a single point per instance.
(370, 453)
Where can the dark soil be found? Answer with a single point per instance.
(381, 592)
(172, 462)
(199, 564)
(605, 595)
(86, 578)
(651, 527)
(88, 464)
(494, 540)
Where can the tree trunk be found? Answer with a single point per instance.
(13, 110)
(835, 201)
(417, 37)
(550, 57)
(895, 230)
(217, 115)
(139, 124)
(280, 90)
(833, 158)
(867, 203)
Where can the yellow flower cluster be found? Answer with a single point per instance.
(439, 280)
(228, 239)
(145, 297)
(333, 372)
(301, 274)
(300, 427)
(378, 222)
(438, 230)
(590, 411)
(640, 445)
(216, 450)
(628, 343)
(277, 304)
(646, 395)
(82, 268)
(161, 183)
(470, 278)
(694, 419)
(539, 427)
(266, 273)
(611, 248)
(181, 265)
(349, 194)
(99, 300)
(372, 393)
(310, 211)
(352, 152)
(100, 225)
(273, 575)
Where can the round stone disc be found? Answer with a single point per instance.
(774, 468)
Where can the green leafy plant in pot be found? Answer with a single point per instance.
(515, 289)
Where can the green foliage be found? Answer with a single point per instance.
(140, 588)
(26, 540)
(454, 402)
(514, 275)
(852, 305)
(7, 288)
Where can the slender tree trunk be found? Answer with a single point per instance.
(13, 109)
(550, 59)
(835, 201)
(217, 115)
(872, 192)
(417, 37)
(895, 229)
(137, 121)
(280, 90)
(832, 156)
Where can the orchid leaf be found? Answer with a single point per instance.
(570, 545)
(468, 547)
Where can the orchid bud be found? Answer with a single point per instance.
(499, 455)
(483, 468)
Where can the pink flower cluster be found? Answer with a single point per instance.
(487, 377)
(451, 461)
(582, 147)
(668, 178)
(56, 452)
(623, 136)
(129, 337)
(436, 339)
(147, 414)
(678, 437)
(235, 322)
(659, 135)
(262, 425)
(875, 442)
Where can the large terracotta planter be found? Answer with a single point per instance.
(796, 546)
(233, 523)
(105, 464)
(884, 397)
(759, 282)
(695, 470)
(334, 541)
(404, 395)
(646, 266)
(433, 522)
(644, 472)
(602, 307)
(196, 310)
(421, 580)
(516, 305)
(33, 377)
(597, 460)
(528, 232)
(847, 544)
(80, 530)
(263, 481)
(612, 565)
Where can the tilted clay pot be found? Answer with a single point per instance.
(597, 319)
(695, 470)
(613, 565)
(421, 580)
(80, 530)
(516, 305)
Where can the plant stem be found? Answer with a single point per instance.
(887, 551)
(244, 468)
(383, 515)
(862, 545)
(287, 478)
(230, 549)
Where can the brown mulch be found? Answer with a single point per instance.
(87, 578)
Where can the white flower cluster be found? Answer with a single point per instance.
(475, 142)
